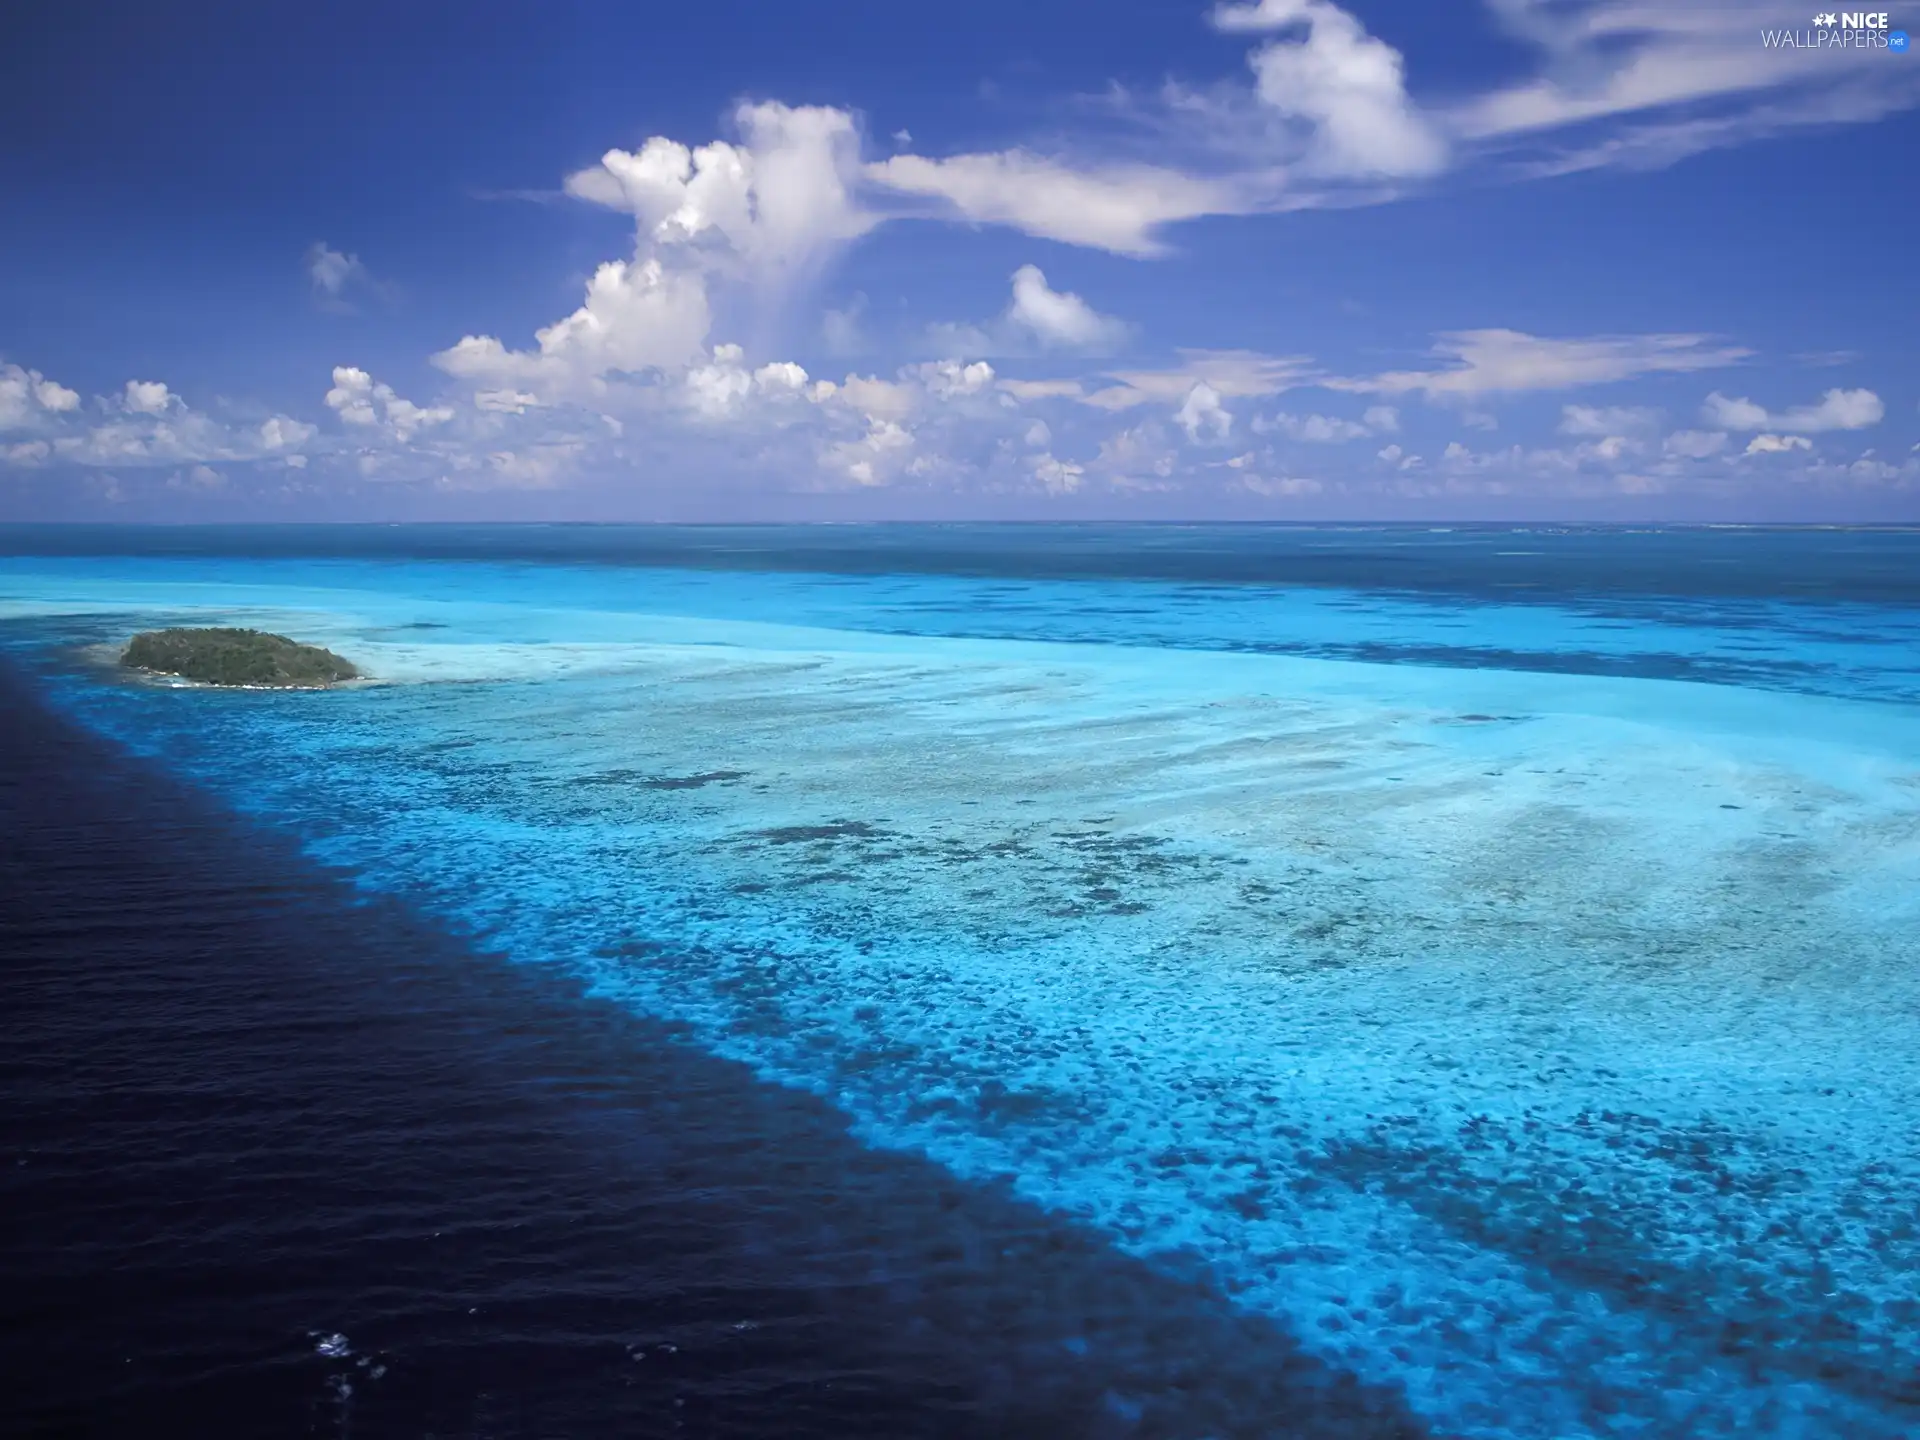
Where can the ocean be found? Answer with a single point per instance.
(967, 980)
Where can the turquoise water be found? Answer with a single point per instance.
(1514, 996)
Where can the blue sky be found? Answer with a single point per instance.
(1581, 259)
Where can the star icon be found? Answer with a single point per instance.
(1827, 19)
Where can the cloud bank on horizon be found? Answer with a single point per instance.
(705, 364)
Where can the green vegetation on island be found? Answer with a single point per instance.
(236, 657)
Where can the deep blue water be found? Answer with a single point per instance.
(247, 1110)
(1170, 981)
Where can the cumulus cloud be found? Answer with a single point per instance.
(281, 432)
(768, 212)
(875, 457)
(1057, 477)
(774, 206)
(361, 401)
(1777, 444)
(1059, 318)
(148, 397)
(1836, 410)
(143, 424)
(1037, 318)
(1348, 86)
(29, 400)
(637, 316)
(1483, 362)
(1203, 416)
(201, 478)
(950, 379)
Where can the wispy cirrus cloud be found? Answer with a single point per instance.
(1329, 118)
(1498, 361)
(1118, 207)
(1642, 84)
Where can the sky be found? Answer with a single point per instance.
(1580, 260)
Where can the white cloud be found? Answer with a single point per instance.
(1315, 429)
(1777, 444)
(1836, 410)
(950, 379)
(776, 205)
(1330, 120)
(28, 399)
(780, 376)
(504, 402)
(329, 269)
(1329, 107)
(1138, 457)
(874, 458)
(144, 424)
(1037, 317)
(1059, 477)
(148, 397)
(1347, 85)
(201, 478)
(281, 432)
(1607, 419)
(878, 399)
(638, 316)
(768, 212)
(361, 401)
(336, 275)
(1643, 83)
(1119, 208)
(1059, 318)
(1482, 362)
(715, 388)
(1382, 419)
(1202, 415)
(1234, 374)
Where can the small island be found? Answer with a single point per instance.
(250, 658)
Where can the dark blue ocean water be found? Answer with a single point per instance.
(247, 1111)
(1154, 981)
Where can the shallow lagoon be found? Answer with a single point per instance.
(1511, 990)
